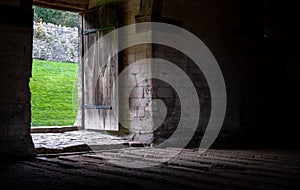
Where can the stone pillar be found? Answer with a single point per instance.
(15, 61)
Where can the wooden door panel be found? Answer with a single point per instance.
(100, 68)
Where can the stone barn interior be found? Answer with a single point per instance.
(255, 45)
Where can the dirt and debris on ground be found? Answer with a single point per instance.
(92, 160)
(214, 169)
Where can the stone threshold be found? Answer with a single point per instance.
(54, 129)
(57, 140)
(84, 148)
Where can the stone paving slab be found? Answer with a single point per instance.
(63, 141)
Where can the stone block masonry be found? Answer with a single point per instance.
(15, 71)
(56, 43)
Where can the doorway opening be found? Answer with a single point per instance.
(77, 102)
(54, 91)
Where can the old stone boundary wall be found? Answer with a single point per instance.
(55, 43)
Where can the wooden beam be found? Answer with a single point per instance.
(65, 5)
(16, 3)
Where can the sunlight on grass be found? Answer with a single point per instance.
(53, 86)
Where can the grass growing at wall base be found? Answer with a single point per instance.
(52, 87)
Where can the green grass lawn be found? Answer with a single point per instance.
(53, 93)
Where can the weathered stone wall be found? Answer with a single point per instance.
(232, 32)
(15, 71)
(216, 29)
(55, 43)
(140, 100)
(212, 22)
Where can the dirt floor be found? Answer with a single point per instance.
(214, 169)
(72, 159)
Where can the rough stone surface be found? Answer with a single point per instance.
(15, 71)
(56, 43)
(214, 169)
(59, 141)
(140, 115)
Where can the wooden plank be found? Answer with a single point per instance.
(83, 63)
(66, 5)
(99, 75)
(79, 118)
(98, 3)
